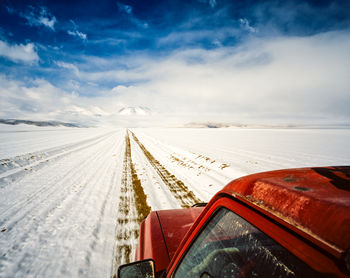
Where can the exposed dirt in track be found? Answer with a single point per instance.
(180, 191)
(133, 208)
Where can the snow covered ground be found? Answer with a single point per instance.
(207, 159)
(59, 208)
(67, 195)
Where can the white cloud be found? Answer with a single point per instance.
(120, 89)
(282, 79)
(76, 33)
(188, 37)
(39, 16)
(43, 101)
(114, 75)
(244, 23)
(48, 22)
(279, 78)
(70, 66)
(19, 53)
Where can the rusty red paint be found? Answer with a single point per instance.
(151, 243)
(162, 232)
(182, 219)
(315, 258)
(304, 198)
(306, 210)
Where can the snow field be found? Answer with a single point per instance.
(60, 220)
(202, 175)
(22, 139)
(157, 192)
(177, 188)
(67, 196)
(244, 151)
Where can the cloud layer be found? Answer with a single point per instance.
(285, 77)
(19, 53)
(198, 60)
(290, 79)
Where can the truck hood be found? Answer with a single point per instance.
(162, 232)
(175, 224)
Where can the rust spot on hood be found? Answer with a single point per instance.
(313, 200)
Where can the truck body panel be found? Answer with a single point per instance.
(305, 210)
(161, 233)
(313, 200)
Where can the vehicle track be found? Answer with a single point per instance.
(12, 169)
(180, 191)
(61, 182)
(158, 193)
(202, 174)
(49, 217)
(132, 209)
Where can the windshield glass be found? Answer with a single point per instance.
(229, 246)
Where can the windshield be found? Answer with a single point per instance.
(229, 246)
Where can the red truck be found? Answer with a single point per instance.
(285, 223)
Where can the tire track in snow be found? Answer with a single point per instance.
(133, 208)
(61, 183)
(202, 174)
(72, 196)
(157, 192)
(12, 169)
(180, 191)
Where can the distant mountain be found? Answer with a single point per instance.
(212, 125)
(267, 126)
(138, 110)
(37, 123)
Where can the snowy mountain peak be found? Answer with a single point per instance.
(138, 110)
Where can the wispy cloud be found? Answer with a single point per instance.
(212, 3)
(68, 66)
(75, 32)
(244, 23)
(124, 8)
(37, 16)
(191, 37)
(128, 10)
(25, 53)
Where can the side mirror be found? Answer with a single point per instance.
(143, 268)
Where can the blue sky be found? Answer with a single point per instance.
(271, 61)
